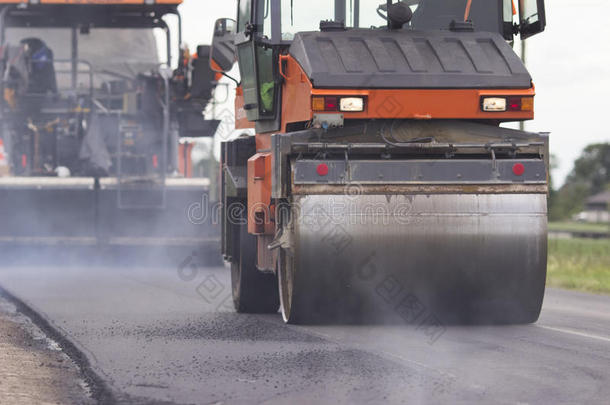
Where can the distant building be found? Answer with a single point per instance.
(597, 208)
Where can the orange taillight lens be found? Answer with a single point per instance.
(318, 103)
(527, 104)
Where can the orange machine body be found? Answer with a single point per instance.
(464, 104)
(261, 218)
(86, 2)
(185, 163)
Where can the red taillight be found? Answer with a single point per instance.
(518, 169)
(325, 103)
(514, 104)
(331, 104)
(24, 161)
(322, 169)
(155, 161)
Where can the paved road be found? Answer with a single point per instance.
(164, 334)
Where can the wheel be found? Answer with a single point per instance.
(286, 272)
(522, 307)
(294, 310)
(304, 292)
(210, 256)
(316, 295)
(444, 267)
(253, 290)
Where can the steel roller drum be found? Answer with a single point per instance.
(467, 258)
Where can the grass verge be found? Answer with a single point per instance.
(579, 227)
(580, 264)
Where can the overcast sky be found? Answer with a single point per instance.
(570, 64)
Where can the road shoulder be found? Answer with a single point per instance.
(33, 367)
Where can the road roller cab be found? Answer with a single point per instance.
(379, 175)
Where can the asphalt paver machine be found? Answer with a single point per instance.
(91, 120)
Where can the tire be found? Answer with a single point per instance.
(211, 257)
(254, 292)
(461, 279)
(291, 309)
(286, 273)
(294, 311)
(312, 296)
(523, 309)
(302, 295)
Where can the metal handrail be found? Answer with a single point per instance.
(315, 146)
(90, 71)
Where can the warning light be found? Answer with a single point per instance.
(494, 104)
(355, 104)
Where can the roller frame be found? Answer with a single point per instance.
(485, 263)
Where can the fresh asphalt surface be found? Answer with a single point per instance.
(157, 335)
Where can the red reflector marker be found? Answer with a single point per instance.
(518, 169)
(322, 169)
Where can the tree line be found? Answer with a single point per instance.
(590, 176)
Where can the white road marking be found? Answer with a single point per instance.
(575, 333)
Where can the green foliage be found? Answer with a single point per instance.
(590, 175)
(584, 227)
(554, 164)
(581, 264)
(569, 200)
(593, 167)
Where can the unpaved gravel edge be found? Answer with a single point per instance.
(100, 391)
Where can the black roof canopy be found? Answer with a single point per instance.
(94, 15)
(361, 58)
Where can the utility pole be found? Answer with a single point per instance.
(608, 207)
(524, 59)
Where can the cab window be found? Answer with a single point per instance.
(364, 14)
(266, 81)
(256, 61)
(304, 15)
(508, 14)
(244, 14)
(264, 10)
